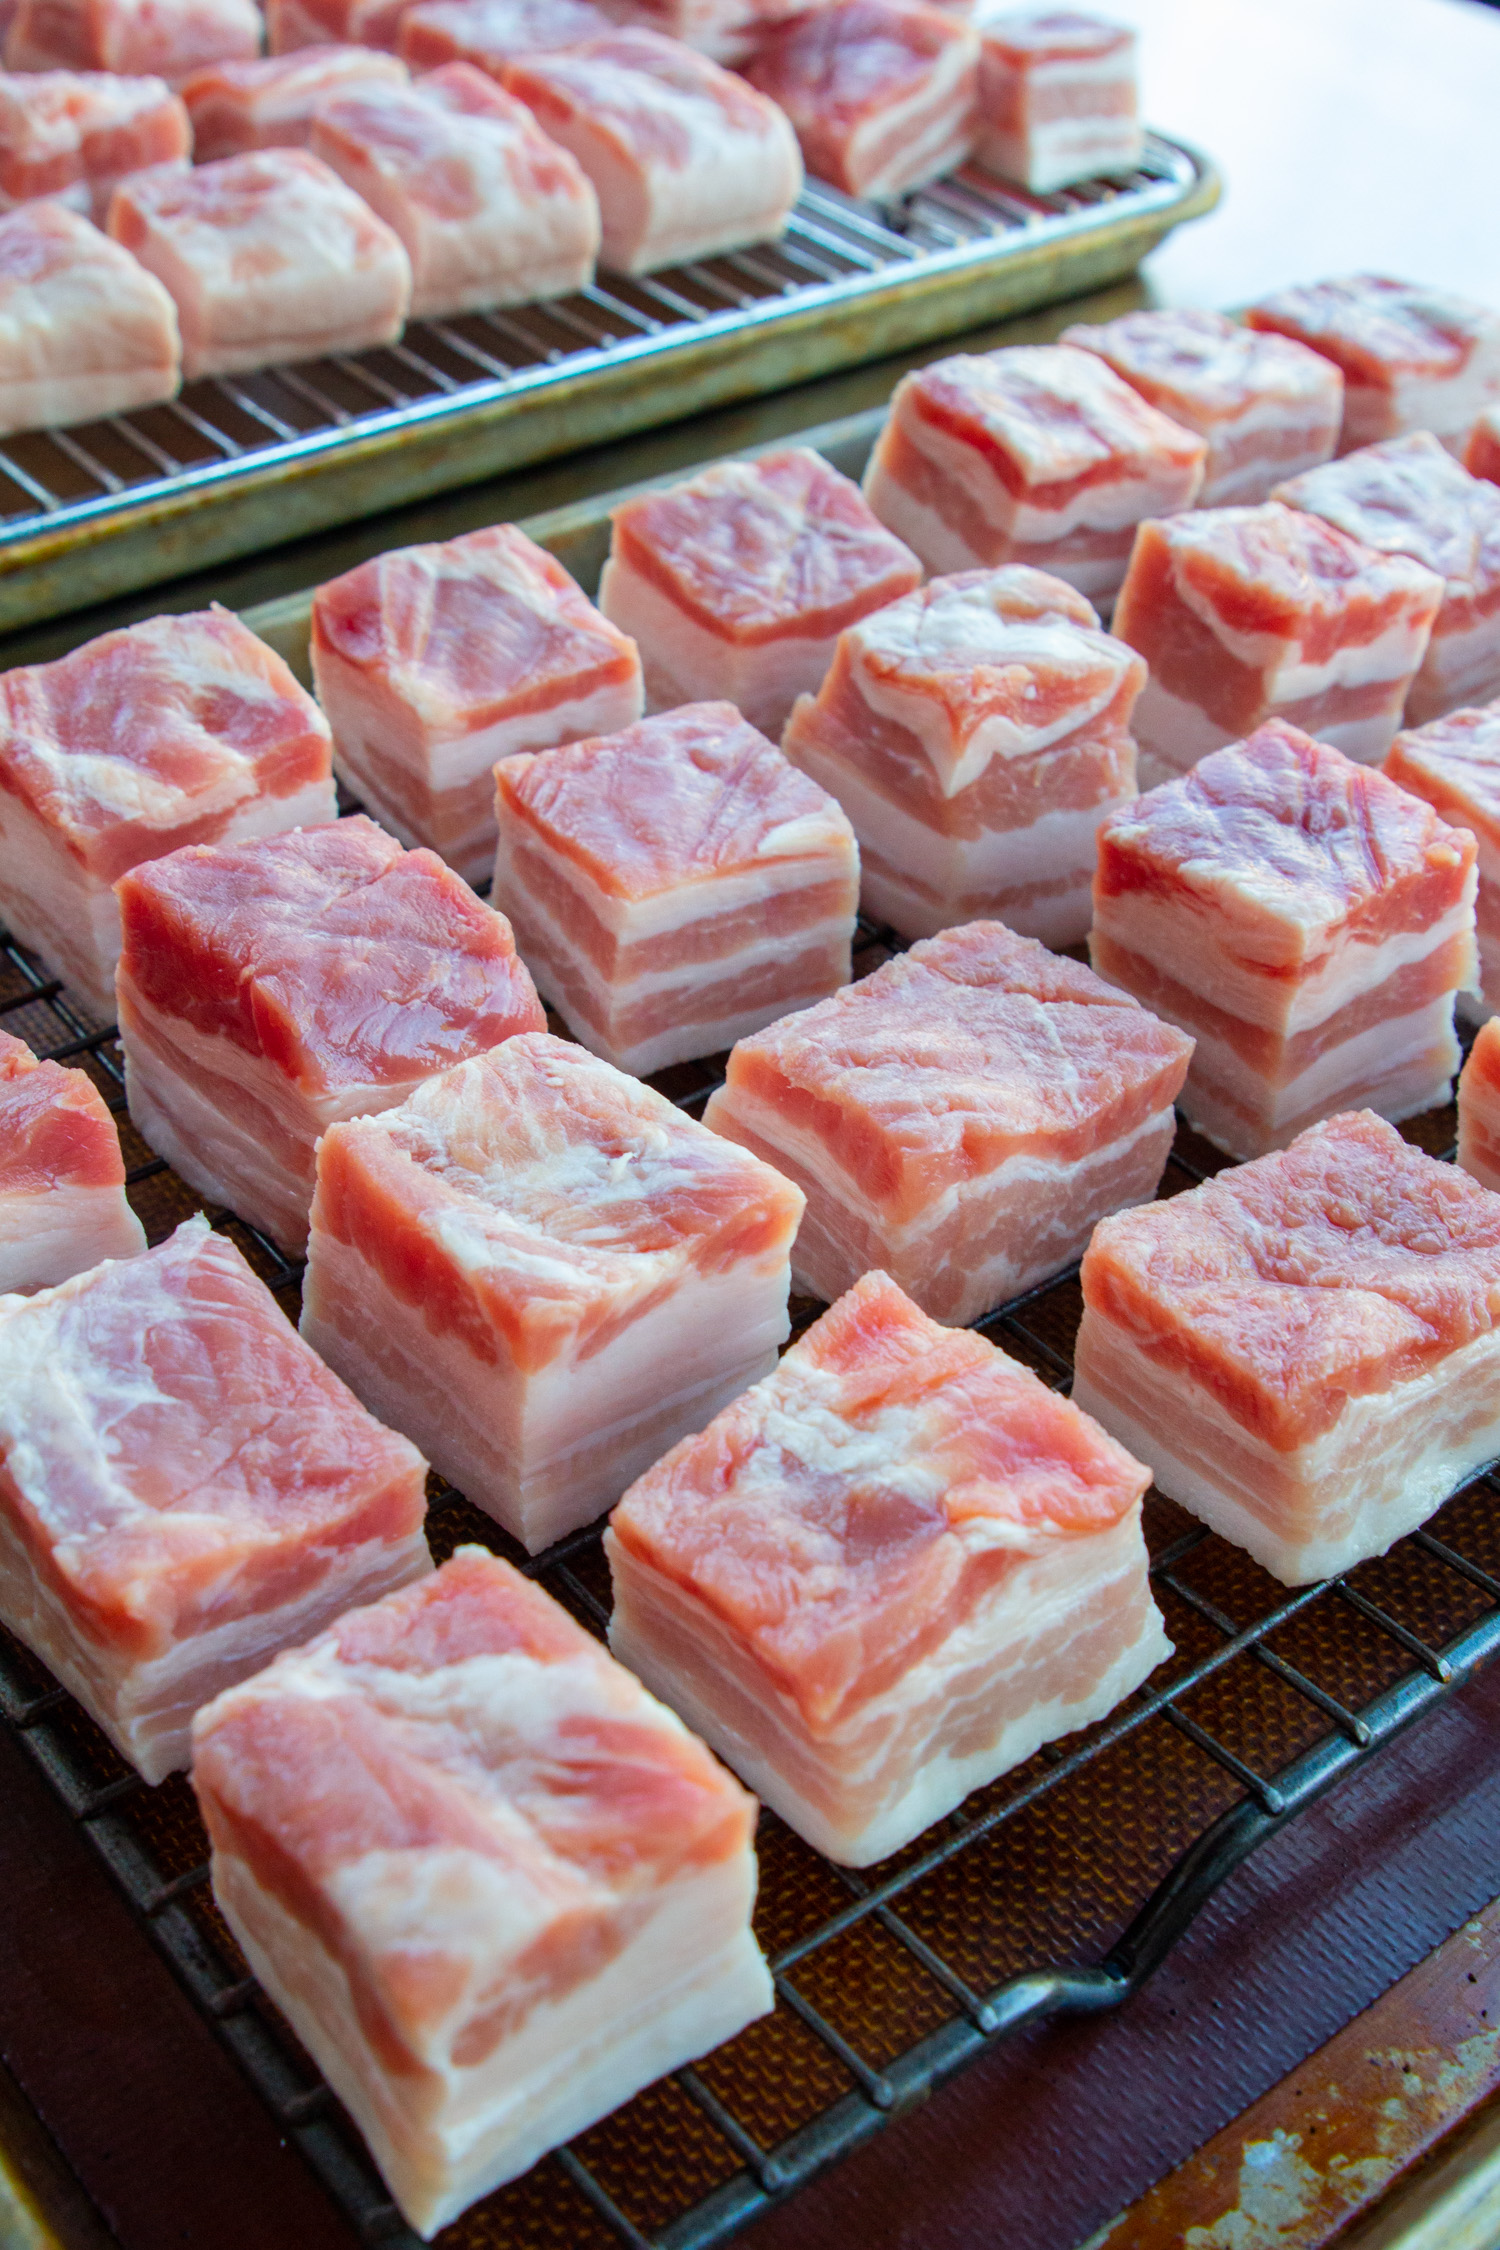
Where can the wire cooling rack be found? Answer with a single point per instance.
(1057, 1889)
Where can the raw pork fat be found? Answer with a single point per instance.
(1412, 358)
(75, 134)
(1057, 97)
(269, 103)
(62, 1177)
(1455, 764)
(1479, 1108)
(140, 38)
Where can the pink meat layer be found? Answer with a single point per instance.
(1479, 1108)
(1455, 764)
(62, 1177)
(269, 103)
(75, 134)
(143, 38)
(1412, 358)
(84, 330)
(1057, 97)
(491, 33)
(1482, 452)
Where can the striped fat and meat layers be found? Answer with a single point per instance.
(1305, 1348)
(1479, 1107)
(84, 331)
(1455, 764)
(74, 134)
(728, 30)
(292, 25)
(1482, 448)
(545, 1275)
(1306, 920)
(138, 38)
(1413, 358)
(491, 33)
(267, 990)
(1057, 97)
(674, 886)
(886, 1575)
(269, 102)
(960, 1119)
(63, 1205)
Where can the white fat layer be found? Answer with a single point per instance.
(1381, 1053)
(49, 1234)
(687, 663)
(1448, 406)
(1461, 667)
(1061, 151)
(1172, 734)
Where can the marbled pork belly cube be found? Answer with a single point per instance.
(1455, 764)
(1057, 97)
(1482, 451)
(886, 1575)
(269, 102)
(491, 33)
(675, 886)
(138, 38)
(62, 1178)
(545, 1274)
(84, 330)
(1308, 922)
(1412, 358)
(959, 1119)
(976, 732)
(269, 990)
(181, 730)
(74, 134)
(184, 1488)
(1037, 454)
(1479, 1108)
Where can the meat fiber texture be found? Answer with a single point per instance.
(492, 1884)
(269, 990)
(138, 38)
(181, 730)
(73, 134)
(1303, 1348)
(1308, 922)
(1265, 407)
(545, 1274)
(674, 886)
(960, 1119)
(268, 257)
(1455, 764)
(1250, 614)
(1412, 358)
(1482, 449)
(1479, 1108)
(184, 1488)
(736, 585)
(84, 331)
(490, 210)
(434, 662)
(1036, 454)
(686, 159)
(976, 732)
(491, 33)
(62, 1177)
(886, 1575)
(1057, 97)
(882, 92)
(269, 103)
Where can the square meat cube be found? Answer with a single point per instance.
(269, 103)
(959, 1119)
(268, 256)
(1306, 920)
(269, 990)
(491, 33)
(727, 30)
(686, 159)
(84, 330)
(1057, 97)
(294, 24)
(1265, 407)
(181, 730)
(493, 1885)
(1482, 450)
(976, 732)
(74, 134)
(432, 662)
(886, 1575)
(1034, 454)
(1479, 1108)
(138, 38)
(1250, 614)
(62, 1177)
(546, 1274)
(675, 886)
(1303, 1348)
(184, 1488)
(736, 585)
(1455, 764)
(1412, 358)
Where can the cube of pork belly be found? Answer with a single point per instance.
(1249, 614)
(675, 886)
(432, 662)
(886, 1575)
(545, 1274)
(266, 991)
(1479, 1108)
(62, 1177)
(1412, 358)
(491, 33)
(184, 1488)
(268, 256)
(1306, 920)
(1057, 97)
(269, 103)
(158, 38)
(75, 134)
(1035, 454)
(976, 732)
(1266, 408)
(1455, 764)
(686, 159)
(84, 330)
(737, 584)
(960, 1118)
(182, 730)
(1303, 1348)
(1482, 451)
(492, 1884)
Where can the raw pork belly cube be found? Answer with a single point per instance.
(686, 159)
(432, 662)
(881, 92)
(675, 886)
(1303, 1348)
(1306, 920)
(62, 1177)
(1482, 452)
(1455, 764)
(84, 330)
(269, 103)
(156, 38)
(294, 24)
(737, 585)
(546, 1274)
(491, 33)
(1035, 454)
(1412, 358)
(1410, 497)
(1265, 407)
(1479, 1108)
(1249, 614)
(960, 1118)
(268, 256)
(184, 1488)
(267, 991)
(75, 134)
(886, 1575)
(976, 732)
(493, 1885)
(182, 730)
(1057, 97)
